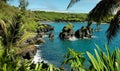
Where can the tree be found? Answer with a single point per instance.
(4, 1)
(11, 32)
(103, 10)
(114, 26)
(23, 5)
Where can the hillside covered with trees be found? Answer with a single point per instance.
(57, 16)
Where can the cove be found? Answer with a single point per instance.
(53, 50)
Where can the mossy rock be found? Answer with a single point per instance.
(67, 32)
(44, 28)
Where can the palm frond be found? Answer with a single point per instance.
(3, 27)
(25, 37)
(114, 26)
(15, 27)
(72, 2)
(102, 10)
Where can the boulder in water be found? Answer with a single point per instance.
(84, 32)
(44, 29)
(51, 35)
(67, 32)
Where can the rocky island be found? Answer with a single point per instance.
(82, 33)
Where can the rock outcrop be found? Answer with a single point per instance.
(67, 32)
(45, 29)
(51, 35)
(28, 52)
(84, 32)
(28, 48)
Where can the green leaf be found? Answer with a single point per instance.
(5, 67)
(50, 68)
(36, 67)
(93, 60)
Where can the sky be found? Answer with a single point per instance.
(84, 6)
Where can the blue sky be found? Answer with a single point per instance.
(84, 6)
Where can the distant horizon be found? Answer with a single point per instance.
(57, 11)
(84, 6)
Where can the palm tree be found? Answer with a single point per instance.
(10, 32)
(103, 10)
(114, 26)
(72, 2)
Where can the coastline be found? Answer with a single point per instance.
(48, 22)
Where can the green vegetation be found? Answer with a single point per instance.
(7, 12)
(101, 61)
(104, 62)
(13, 30)
(75, 60)
(58, 17)
(17, 63)
(16, 25)
(68, 27)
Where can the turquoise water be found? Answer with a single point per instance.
(54, 50)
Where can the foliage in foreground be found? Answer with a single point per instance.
(105, 62)
(100, 61)
(75, 59)
(16, 63)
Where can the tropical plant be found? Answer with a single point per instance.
(100, 61)
(72, 2)
(11, 32)
(103, 10)
(69, 26)
(103, 61)
(75, 60)
(9, 63)
(114, 27)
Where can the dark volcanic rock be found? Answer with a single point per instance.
(44, 29)
(67, 32)
(28, 50)
(78, 33)
(51, 35)
(28, 53)
(84, 32)
(34, 40)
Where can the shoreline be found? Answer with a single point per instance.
(79, 22)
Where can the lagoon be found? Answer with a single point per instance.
(53, 50)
